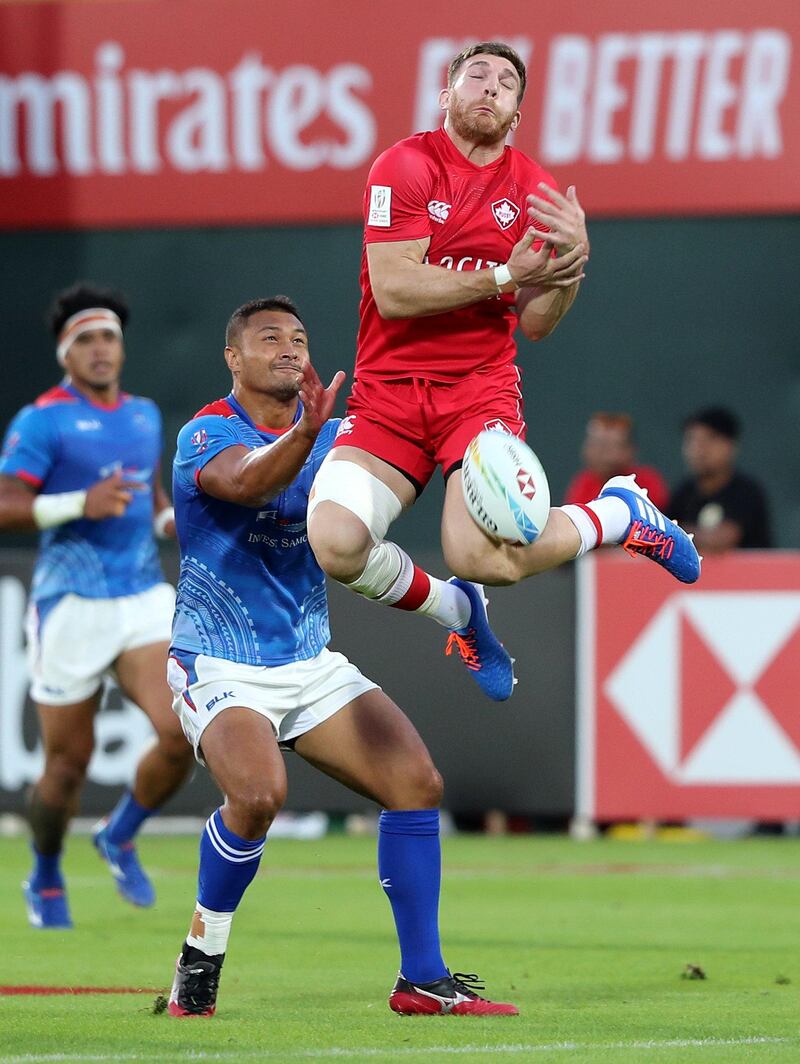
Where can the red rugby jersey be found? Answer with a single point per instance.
(424, 187)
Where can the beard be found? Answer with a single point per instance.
(284, 390)
(480, 129)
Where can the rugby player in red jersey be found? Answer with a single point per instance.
(466, 239)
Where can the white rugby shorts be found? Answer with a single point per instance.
(294, 698)
(81, 638)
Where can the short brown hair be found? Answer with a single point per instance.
(608, 420)
(505, 51)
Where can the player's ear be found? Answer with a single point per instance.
(515, 121)
(444, 99)
(232, 358)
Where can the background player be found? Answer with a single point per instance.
(251, 671)
(81, 464)
(454, 259)
(609, 450)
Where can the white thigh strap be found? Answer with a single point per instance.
(359, 491)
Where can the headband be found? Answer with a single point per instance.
(82, 322)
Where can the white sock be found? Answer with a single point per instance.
(447, 604)
(209, 931)
(611, 514)
(614, 517)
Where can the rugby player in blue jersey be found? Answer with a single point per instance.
(81, 465)
(251, 672)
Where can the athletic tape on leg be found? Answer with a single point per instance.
(360, 492)
(381, 577)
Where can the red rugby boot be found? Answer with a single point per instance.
(452, 995)
(194, 989)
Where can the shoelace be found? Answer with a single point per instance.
(199, 990)
(468, 983)
(466, 646)
(642, 539)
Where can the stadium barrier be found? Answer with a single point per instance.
(516, 757)
(686, 697)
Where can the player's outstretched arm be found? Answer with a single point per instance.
(22, 510)
(249, 477)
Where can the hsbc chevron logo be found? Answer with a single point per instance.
(525, 484)
(709, 688)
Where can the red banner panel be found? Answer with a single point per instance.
(225, 111)
(689, 696)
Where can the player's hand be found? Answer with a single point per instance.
(318, 401)
(541, 269)
(563, 216)
(110, 497)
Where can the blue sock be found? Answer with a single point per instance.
(46, 870)
(125, 819)
(410, 871)
(227, 865)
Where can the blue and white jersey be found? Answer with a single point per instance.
(65, 442)
(250, 589)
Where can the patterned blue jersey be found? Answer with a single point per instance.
(250, 589)
(65, 442)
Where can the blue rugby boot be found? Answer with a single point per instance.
(479, 648)
(130, 877)
(47, 907)
(653, 535)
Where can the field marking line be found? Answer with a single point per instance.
(45, 991)
(344, 1053)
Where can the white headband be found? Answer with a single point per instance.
(85, 321)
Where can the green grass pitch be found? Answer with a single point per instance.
(589, 939)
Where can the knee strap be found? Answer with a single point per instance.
(359, 491)
(380, 577)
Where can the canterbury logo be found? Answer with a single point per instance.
(439, 211)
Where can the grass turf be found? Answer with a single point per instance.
(589, 939)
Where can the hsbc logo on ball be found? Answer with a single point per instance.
(525, 484)
(690, 708)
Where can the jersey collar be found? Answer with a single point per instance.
(68, 386)
(456, 158)
(263, 429)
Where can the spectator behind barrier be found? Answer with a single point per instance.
(609, 450)
(724, 508)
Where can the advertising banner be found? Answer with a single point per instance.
(226, 112)
(688, 697)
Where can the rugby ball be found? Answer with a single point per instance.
(505, 487)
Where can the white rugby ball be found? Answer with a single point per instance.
(505, 487)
